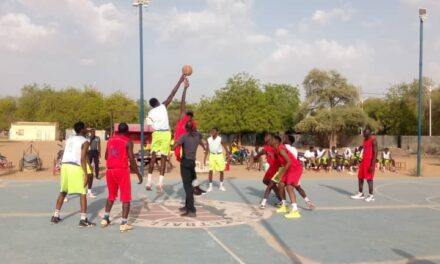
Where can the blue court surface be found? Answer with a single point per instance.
(401, 226)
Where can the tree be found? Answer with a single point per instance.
(8, 108)
(330, 107)
(285, 98)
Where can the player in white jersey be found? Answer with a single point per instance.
(216, 158)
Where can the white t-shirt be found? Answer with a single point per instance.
(333, 154)
(321, 153)
(215, 145)
(292, 150)
(72, 151)
(347, 153)
(158, 118)
(386, 156)
(309, 154)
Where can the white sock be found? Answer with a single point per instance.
(221, 184)
(89, 190)
(83, 216)
(149, 179)
(294, 207)
(307, 199)
(160, 179)
(195, 183)
(264, 202)
(57, 213)
(210, 185)
(284, 202)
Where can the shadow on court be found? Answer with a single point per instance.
(337, 189)
(411, 259)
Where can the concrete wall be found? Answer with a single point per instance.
(33, 131)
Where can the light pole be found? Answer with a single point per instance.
(140, 4)
(422, 16)
(430, 110)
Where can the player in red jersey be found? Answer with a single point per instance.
(274, 166)
(291, 174)
(120, 159)
(367, 166)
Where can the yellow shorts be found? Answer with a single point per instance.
(216, 162)
(160, 142)
(72, 179)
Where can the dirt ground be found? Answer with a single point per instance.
(13, 150)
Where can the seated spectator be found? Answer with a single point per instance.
(387, 161)
(310, 156)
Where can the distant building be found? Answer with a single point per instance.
(33, 131)
(100, 133)
(134, 132)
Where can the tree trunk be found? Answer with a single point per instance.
(333, 139)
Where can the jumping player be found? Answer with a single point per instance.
(288, 142)
(291, 173)
(367, 166)
(74, 173)
(161, 139)
(274, 167)
(216, 158)
(119, 155)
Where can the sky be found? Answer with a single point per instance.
(67, 43)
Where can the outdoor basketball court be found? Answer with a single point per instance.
(402, 226)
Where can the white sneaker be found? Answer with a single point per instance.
(209, 189)
(370, 198)
(91, 195)
(262, 206)
(148, 187)
(359, 196)
(222, 189)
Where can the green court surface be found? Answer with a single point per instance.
(401, 226)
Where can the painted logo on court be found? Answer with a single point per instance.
(210, 213)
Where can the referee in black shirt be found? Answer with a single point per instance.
(189, 142)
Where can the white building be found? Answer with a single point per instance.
(33, 131)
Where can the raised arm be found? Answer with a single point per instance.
(183, 100)
(174, 91)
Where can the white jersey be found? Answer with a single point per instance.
(347, 153)
(292, 150)
(321, 153)
(72, 152)
(333, 154)
(215, 145)
(158, 118)
(386, 156)
(309, 154)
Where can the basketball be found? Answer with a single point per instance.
(187, 70)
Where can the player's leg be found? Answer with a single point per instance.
(96, 163)
(294, 213)
(164, 143)
(112, 188)
(187, 176)
(282, 193)
(303, 194)
(163, 163)
(210, 176)
(370, 177)
(361, 177)
(77, 185)
(56, 216)
(222, 177)
(212, 166)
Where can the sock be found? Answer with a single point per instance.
(57, 213)
(149, 178)
(124, 221)
(307, 199)
(89, 190)
(284, 202)
(264, 201)
(221, 184)
(106, 215)
(294, 207)
(160, 179)
(83, 216)
(195, 183)
(210, 185)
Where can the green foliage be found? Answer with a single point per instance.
(8, 108)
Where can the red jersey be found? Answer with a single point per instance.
(180, 127)
(270, 155)
(283, 162)
(117, 156)
(368, 149)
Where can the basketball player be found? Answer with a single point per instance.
(367, 166)
(288, 142)
(161, 139)
(119, 154)
(291, 173)
(274, 167)
(74, 173)
(216, 158)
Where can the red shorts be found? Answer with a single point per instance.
(293, 176)
(119, 179)
(177, 153)
(363, 170)
(270, 173)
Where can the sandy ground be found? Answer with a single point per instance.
(13, 150)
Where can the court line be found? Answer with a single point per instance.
(368, 207)
(413, 259)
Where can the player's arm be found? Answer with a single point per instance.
(99, 146)
(183, 100)
(373, 160)
(174, 91)
(283, 153)
(106, 152)
(133, 166)
(202, 144)
(84, 159)
(261, 153)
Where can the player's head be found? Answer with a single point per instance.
(386, 150)
(367, 132)
(320, 148)
(189, 126)
(214, 132)
(123, 128)
(190, 114)
(333, 148)
(92, 132)
(268, 138)
(361, 148)
(80, 128)
(276, 140)
(154, 102)
(312, 148)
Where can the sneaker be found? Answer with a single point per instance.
(209, 189)
(55, 219)
(182, 209)
(310, 205)
(159, 188)
(125, 227)
(86, 223)
(370, 198)
(262, 206)
(199, 190)
(148, 187)
(222, 188)
(188, 214)
(91, 195)
(359, 196)
(283, 209)
(196, 192)
(105, 222)
(293, 214)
